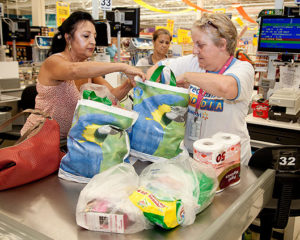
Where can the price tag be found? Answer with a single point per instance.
(286, 160)
(106, 5)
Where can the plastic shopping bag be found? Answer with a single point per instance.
(97, 139)
(160, 127)
(103, 204)
(207, 184)
(171, 193)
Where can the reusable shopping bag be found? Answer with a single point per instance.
(35, 155)
(160, 127)
(97, 139)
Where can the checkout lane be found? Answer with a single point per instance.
(47, 207)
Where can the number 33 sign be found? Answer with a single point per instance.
(106, 5)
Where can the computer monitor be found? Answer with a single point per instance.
(126, 20)
(279, 34)
(35, 31)
(101, 30)
(22, 32)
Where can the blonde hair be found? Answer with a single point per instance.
(218, 26)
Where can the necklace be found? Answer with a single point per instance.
(202, 92)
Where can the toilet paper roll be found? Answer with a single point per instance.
(232, 144)
(227, 138)
(208, 150)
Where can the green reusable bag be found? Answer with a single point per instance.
(160, 127)
(97, 139)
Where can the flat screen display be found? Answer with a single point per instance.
(127, 18)
(22, 31)
(279, 34)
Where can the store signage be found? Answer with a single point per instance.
(170, 25)
(286, 160)
(183, 36)
(106, 5)
(62, 12)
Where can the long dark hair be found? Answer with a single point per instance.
(68, 26)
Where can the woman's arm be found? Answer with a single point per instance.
(119, 92)
(216, 84)
(56, 68)
(150, 71)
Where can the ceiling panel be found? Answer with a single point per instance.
(150, 18)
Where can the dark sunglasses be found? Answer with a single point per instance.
(214, 26)
(211, 24)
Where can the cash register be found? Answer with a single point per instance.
(285, 105)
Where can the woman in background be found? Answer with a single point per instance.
(161, 43)
(224, 82)
(112, 49)
(71, 47)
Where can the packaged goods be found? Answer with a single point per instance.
(166, 213)
(222, 152)
(172, 192)
(104, 204)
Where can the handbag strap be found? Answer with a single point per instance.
(33, 111)
(157, 73)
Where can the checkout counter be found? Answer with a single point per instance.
(46, 209)
(283, 123)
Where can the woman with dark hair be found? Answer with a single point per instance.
(161, 43)
(71, 47)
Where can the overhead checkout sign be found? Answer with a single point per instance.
(106, 5)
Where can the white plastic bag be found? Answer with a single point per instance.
(172, 192)
(103, 204)
(207, 184)
(174, 184)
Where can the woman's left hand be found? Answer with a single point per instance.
(182, 81)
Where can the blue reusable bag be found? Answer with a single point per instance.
(97, 139)
(160, 127)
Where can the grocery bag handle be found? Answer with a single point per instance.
(158, 71)
(91, 95)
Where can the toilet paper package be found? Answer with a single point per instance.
(222, 151)
(232, 144)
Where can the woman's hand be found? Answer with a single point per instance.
(182, 81)
(131, 72)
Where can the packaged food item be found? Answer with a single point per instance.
(167, 213)
(99, 215)
(175, 181)
(104, 204)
